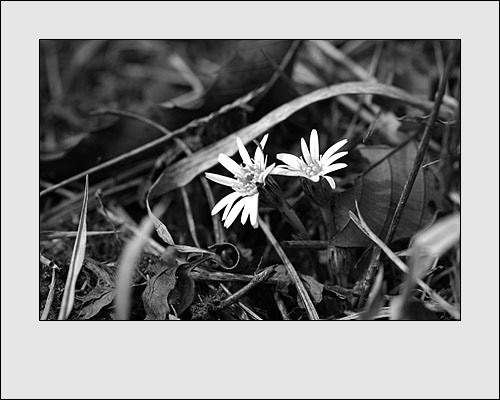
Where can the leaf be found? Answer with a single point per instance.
(160, 227)
(314, 288)
(155, 296)
(102, 297)
(163, 232)
(377, 193)
(77, 257)
(183, 294)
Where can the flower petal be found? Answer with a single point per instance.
(305, 151)
(314, 145)
(334, 167)
(330, 180)
(259, 155)
(235, 210)
(287, 171)
(245, 157)
(325, 162)
(334, 148)
(289, 159)
(253, 205)
(245, 212)
(229, 199)
(267, 171)
(223, 180)
(229, 205)
(230, 165)
(264, 140)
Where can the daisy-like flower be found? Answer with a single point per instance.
(247, 177)
(312, 165)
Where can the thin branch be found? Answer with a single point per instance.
(306, 244)
(236, 296)
(245, 308)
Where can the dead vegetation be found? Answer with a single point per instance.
(142, 121)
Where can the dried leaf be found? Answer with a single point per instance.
(163, 232)
(101, 297)
(377, 193)
(183, 294)
(76, 259)
(314, 288)
(155, 296)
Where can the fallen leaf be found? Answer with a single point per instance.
(101, 297)
(155, 296)
(377, 193)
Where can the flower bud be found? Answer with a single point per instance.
(270, 194)
(319, 192)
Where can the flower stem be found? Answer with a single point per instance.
(292, 218)
(329, 219)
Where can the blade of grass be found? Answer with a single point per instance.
(129, 259)
(311, 311)
(77, 257)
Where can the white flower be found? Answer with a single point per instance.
(246, 178)
(312, 166)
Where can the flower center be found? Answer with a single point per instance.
(312, 169)
(246, 184)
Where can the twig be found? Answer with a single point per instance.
(245, 308)
(311, 311)
(236, 296)
(306, 244)
(367, 280)
(281, 306)
(63, 192)
(50, 297)
(201, 274)
(52, 286)
(70, 234)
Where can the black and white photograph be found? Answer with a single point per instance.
(285, 211)
(250, 179)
